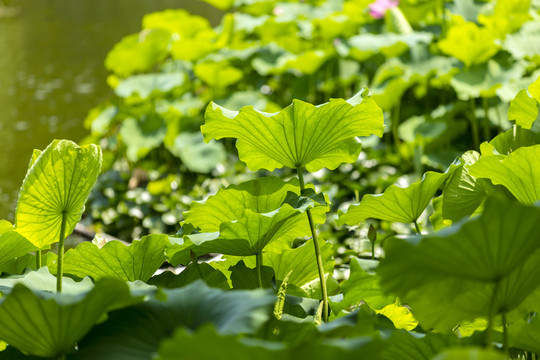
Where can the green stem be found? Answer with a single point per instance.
(395, 125)
(60, 267)
(318, 256)
(38, 259)
(487, 124)
(505, 333)
(491, 315)
(373, 250)
(258, 262)
(474, 125)
(418, 231)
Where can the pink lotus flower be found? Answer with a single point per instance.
(379, 7)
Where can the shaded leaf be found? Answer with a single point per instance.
(146, 84)
(451, 276)
(136, 332)
(55, 322)
(519, 172)
(192, 273)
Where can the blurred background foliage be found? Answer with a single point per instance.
(444, 73)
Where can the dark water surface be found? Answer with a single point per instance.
(52, 72)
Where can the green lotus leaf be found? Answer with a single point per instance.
(18, 266)
(137, 261)
(523, 110)
(12, 244)
(524, 335)
(244, 278)
(300, 260)
(470, 353)
(137, 331)
(510, 140)
(464, 193)
(194, 345)
(397, 204)
(138, 52)
(300, 134)
(42, 280)
(56, 186)
(142, 135)
(50, 324)
(177, 21)
(483, 80)
(196, 154)
(146, 84)
(363, 46)
(364, 286)
(218, 75)
(519, 172)
(534, 89)
(522, 44)
(242, 219)
(416, 346)
(455, 274)
(469, 43)
(192, 273)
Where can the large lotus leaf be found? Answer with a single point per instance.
(299, 135)
(138, 52)
(463, 193)
(146, 84)
(56, 186)
(469, 43)
(519, 172)
(142, 135)
(242, 219)
(508, 16)
(196, 154)
(364, 286)
(396, 204)
(12, 244)
(137, 261)
(483, 80)
(450, 276)
(50, 324)
(389, 44)
(136, 332)
(523, 110)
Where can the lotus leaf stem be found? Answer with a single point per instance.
(60, 267)
(318, 256)
(259, 260)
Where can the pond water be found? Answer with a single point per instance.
(51, 72)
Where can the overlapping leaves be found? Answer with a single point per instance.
(242, 219)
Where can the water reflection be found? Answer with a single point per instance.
(52, 72)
